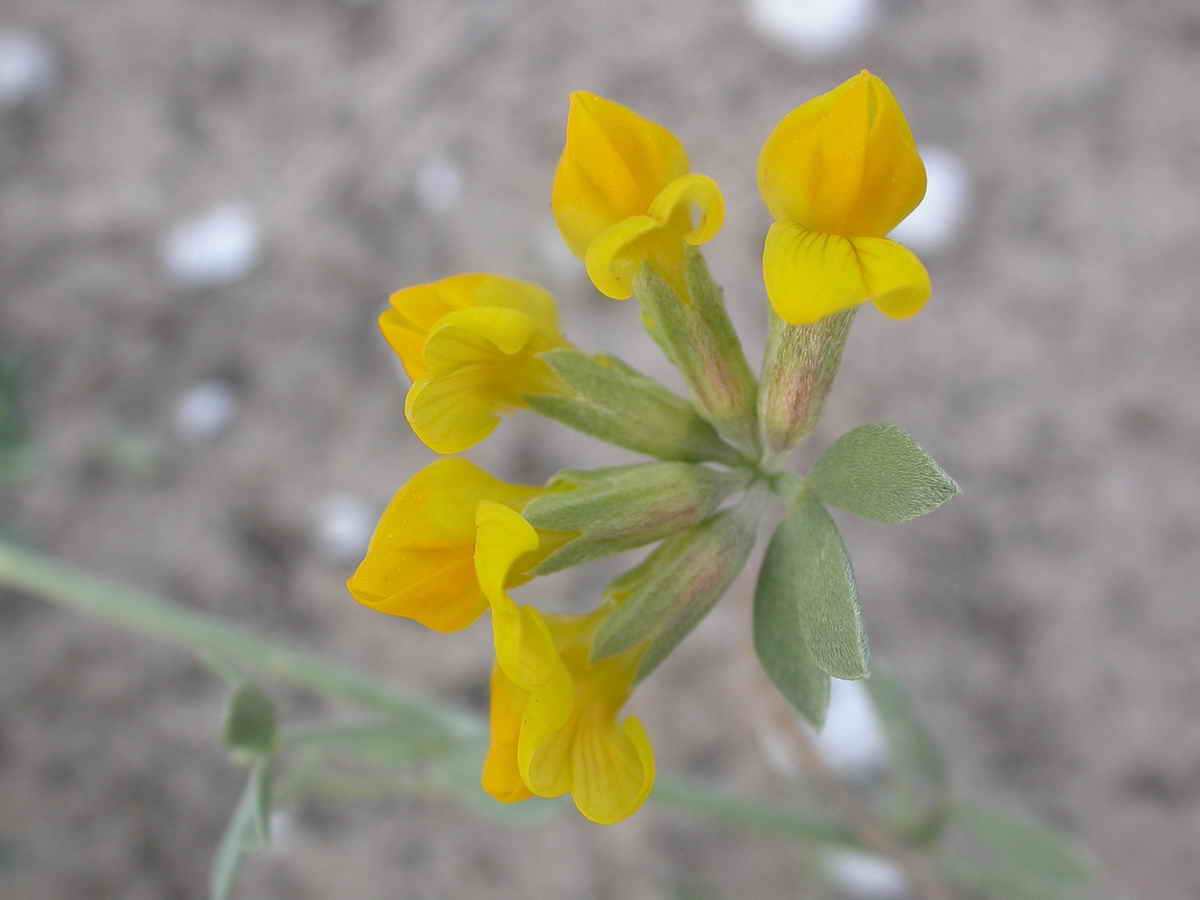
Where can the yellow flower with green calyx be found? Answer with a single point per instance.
(838, 173)
(421, 560)
(623, 196)
(554, 726)
(471, 343)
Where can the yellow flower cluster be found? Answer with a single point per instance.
(837, 174)
(448, 547)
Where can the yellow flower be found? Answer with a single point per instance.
(554, 726)
(838, 173)
(421, 560)
(623, 195)
(471, 345)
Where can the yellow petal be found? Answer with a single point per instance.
(897, 279)
(615, 256)
(614, 771)
(809, 275)
(675, 202)
(420, 562)
(476, 372)
(416, 311)
(434, 587)
(524, 645)
(523, 297)
(481, 336)
(843, 163)
(613, 165)
(454, 412)
(501, 777)
(407, 342)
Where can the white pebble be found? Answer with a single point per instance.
(852, 740)
(867, 877)
(343, 528)
(205, 411)
(28, 68)
(812, 27)
(438, 184)
(938, 220)
(215, 249)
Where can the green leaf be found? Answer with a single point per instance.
(250, 721)
(811, 572)
(879, 472)
(613, 403)
(245, 833)
(672, 590)
(1016, 857)
(779, 638)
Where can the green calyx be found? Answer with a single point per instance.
(615, 403)
(624, 507)
(720, 457)
(657, 603)
(699, 339)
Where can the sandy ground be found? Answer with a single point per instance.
(1046, 620)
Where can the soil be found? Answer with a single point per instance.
(1046, 620)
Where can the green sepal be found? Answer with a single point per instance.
(250, 722)
(615, 403)
(810, 570)
(661, 600)
(623, 507)
(799, 366)
(779, 638)
(697, 336)
(879, 472)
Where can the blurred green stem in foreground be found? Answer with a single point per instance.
(411, 731)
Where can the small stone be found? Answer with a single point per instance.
(28, 68)
(438, 185)
(205, 411)
(343, 528)
(812, 27)
(867, 877)
(938, 220)
(215, 249)
(852, 740)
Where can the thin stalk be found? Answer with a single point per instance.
(207, 635)
(210, 637)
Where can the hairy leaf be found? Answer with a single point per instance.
(879, 472)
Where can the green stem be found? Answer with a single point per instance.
(208, 636)
(721, 807)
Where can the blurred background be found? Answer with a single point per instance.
(203, 207)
